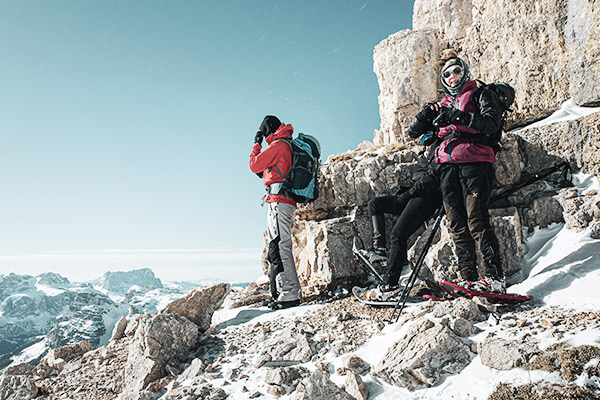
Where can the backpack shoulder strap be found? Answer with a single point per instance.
(285, 177)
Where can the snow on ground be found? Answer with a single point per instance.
(561, 268)
(569, 110)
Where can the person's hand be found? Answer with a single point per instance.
(403, 198)
(442, 119)
(258, 138)
(430, 111)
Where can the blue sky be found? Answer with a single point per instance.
(126, 126)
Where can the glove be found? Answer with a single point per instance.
(421, 123)
(413, 134)
(404, 197)
(401, 191)
(428, 112)
(258, 138)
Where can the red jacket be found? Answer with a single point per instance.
(460, 150)
(278, 153)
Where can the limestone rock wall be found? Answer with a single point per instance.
(547, 50)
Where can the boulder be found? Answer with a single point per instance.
(158, 340)
(199, 304)
(576, 141)
(355, 386)
(354, 364)
(425, 352)
(461, 307)
(504, 354)
(319, 386)
(57, 358)
(119, 329)
(17, 383)
(286, 346)
(285, 376)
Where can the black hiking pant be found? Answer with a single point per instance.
(466, 190)
(411, 215)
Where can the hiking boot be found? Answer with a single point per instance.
(488, 284)
(377, 255)
(383, 293)
(280, 305)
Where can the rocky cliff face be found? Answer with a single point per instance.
(546, 50)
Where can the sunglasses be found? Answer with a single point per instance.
(455, 71)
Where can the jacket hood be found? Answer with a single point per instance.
(455, 90)
(284, 131)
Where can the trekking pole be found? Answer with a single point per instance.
(415, 272)
(518, 186)
(541, 174)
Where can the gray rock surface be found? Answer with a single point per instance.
(355, 386)
(199, 304)
(17, 383)
(420, 357)
(158, 340)
(505, 354)
(320, 387)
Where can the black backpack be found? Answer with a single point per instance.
(506, 98)
(301, 183)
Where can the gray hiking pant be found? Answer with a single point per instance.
(283, 277)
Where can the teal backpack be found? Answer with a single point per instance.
(301, 182)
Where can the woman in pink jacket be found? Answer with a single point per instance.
(465, 119)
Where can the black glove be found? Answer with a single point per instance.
(401, 190)
(428, 112)
(418, 126)
(442, 119)
(404, 197)
(258, 138)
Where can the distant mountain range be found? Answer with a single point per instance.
(41, 312)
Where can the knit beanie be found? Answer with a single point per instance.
(269, 125)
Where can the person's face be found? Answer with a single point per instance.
(452, 75)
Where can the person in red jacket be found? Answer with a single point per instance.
(464, 119)
(272, 165)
